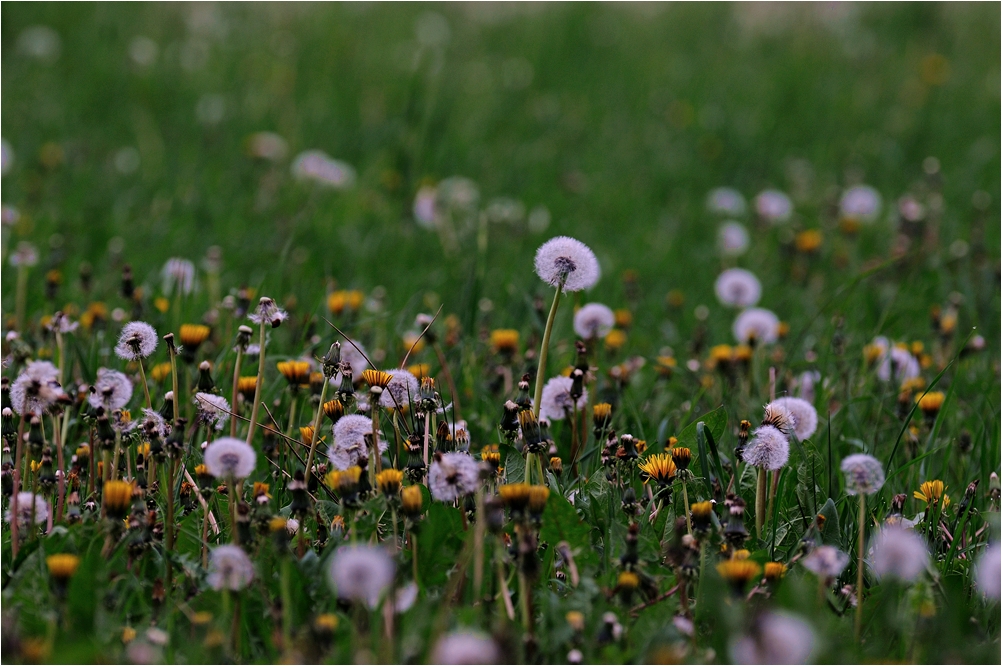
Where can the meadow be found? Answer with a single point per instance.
(500, 333)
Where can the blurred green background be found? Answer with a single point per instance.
(130, 122)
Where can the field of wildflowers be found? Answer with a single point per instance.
(696, 362)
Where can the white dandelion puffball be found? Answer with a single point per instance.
(27, 503)
(178, 273)
(458, 194)
(988, 573)
(756, 325)
(151, 421)
(861, 203)
(229, 568)
(826, 561)
(805, 417)
(361, 573)
(349, 441)
(355, 360)
(806, 382)
(557, 402)
(9, 215)
(112, 390)
(268, 312)
(732, 239)
(424, 210)
(773, 206)
(230, 458)
(453, 475)
(213, 410)
(137, 341)
(25, 255)
(594, 320)
(864, 475)
(568, 262)
(899, 364)
(319, 167)
(725, 201)
(35, 389)
(778, 637)
(769, 448)
(465, 647)
(61, 323)
(401, 390)
(738, 288)
(898, 553)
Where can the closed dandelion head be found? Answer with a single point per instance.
(36, 388)
(773, 206)
(805, 417)
(388, 481)
(504, 341)
(361, 573)
(112, 390)
(899, 553)
(411, 501)
(230, 458)
(768, 449)
(732, 239)
(681, 456)
(453, 475)
(229, 568)
(756, 326)
(62, 566)
(660, 467)
(776, 637)
(864, 475)
(826, 561)
(601, 413)
(538, 495)
(117, 497)
(593, 321)
(774, 571)
(465, 647)
(246, 386)
(738, 288)
(557, 402)
(739, 572)
(808, 241)
(930, 403)
(566, 263)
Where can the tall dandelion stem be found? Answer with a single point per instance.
(231, 492)
(760, 500)
(146, 388)
(236, 382)
(257, 388)
(859, 566)
(543, 349)
(688, 517)
(316, 427)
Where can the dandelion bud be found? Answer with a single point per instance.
(509, 418)
(774, 571)
(739, 573)
(556, 466)
(411, 501)
(332, 360)
(522, 399)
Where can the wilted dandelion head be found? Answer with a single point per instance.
(557, 402)
(213, 410)
(268, 312)
(453, 475)
(773, 206)
(988, 573)
(179, 274)
(725, 201)
(230, 458)
(732, 239)
(900, 553)
(898, 364)
(860, 203)
(361, 573)
(35, 389)
(805, 417)
(401, 391)
(137, 341)
(826, 561)
(756, 326)
(594, 320)
(777, 637)
(568, 263)
(465, 647)
(25, 255)
(768, 449)
(112, 390)
(229, 568)
(738, 288)
(864, 475)
(29, 507)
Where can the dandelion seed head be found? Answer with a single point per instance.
(453, 475)
(25, 255)
(569, 261)
(27, 503)
(213, 410)
(897, 364)
(361, 573)
(777, 637)
(738, 288)
(863, 474)
(805, 417)
(35, 389)
(732, 239)
(268, 312)
(349, 441)
(137, 341)
(465, 647)
(769, 448)
(725, 201)
(229, 457)
(594, 320)
(861, 203)
(318, 167)
(898, 553)
(988, 572)
(756, 325)
(773, 206)
(112, 390)
(401, 390)
(229, 568)
(826, 561)
(557, 402)
(178, 273)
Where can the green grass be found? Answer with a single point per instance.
(618, 120)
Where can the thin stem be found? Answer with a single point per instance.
(231, 493)
(543, 349)
(760, 500)
(60, 459)
(236, 382)
(859, 567)
(685, 498)
(316, 427)
(257, 388)
(146, 388)
(118, 453)
(286, 606)
(175, 397)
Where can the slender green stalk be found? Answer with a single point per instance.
(316, 428)
(231, 493)
(685, 498)
(286, 606)
(146, 388)
(257, 388)
(233, 395)
(859, 567)
(760, 501)
(118, 453)
(543, 349)
(175, 396)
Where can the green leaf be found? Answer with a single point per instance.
(514, 464)
(715, 423)
(439, 541)
(561, 522)
(831, 533)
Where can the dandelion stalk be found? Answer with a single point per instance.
(286, 606)
(316, 427)
(760, 501)
(175, 397)
(688, 516)
(859, 566)
(257, 387)
(231, 492)
(543, 349)
(236, 383)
